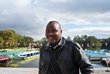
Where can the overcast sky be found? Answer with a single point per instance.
(77, 17)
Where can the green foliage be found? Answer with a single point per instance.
(9, 39)
(38, 43)
(88, 42)
(44, 41)
(1, 42)
(93, 42)
(23, 41)
(68, 38)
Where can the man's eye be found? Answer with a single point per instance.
(54, 30)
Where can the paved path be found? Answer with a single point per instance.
(30, 64)
(35, 71)
(18, 70)
(101, 71)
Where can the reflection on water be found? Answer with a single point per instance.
(99, 57)
(15, 58)
(98, 66)
(18, 61)
(11, 62)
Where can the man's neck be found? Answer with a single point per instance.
(57, 44)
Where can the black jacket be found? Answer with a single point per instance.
(69, 57)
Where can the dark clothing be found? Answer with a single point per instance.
(68, 57)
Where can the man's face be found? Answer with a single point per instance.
(53, 33)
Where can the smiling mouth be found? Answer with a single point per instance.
(51, 37)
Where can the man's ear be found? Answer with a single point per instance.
(61, 31)
(45, 33)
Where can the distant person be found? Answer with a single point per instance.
(60, 56)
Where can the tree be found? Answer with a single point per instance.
(38, 43)
(69, 38)
(44, 41)
(19, 40)
(24, 41)
(9, 37)
(76, 39)
(88, 42)
(28, 40)
(105, 43)
(1, 42)
(108, 43)
(93, 42)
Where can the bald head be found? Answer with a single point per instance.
(52, 23)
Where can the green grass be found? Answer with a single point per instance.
(29, 59)
(16, 64)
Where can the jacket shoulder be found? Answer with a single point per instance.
(77, 45)
(73, 44)
(43, 48)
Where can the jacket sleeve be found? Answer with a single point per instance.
(39, 65)
(40, 62)
(82, 60)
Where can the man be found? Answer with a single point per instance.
(61, 56)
